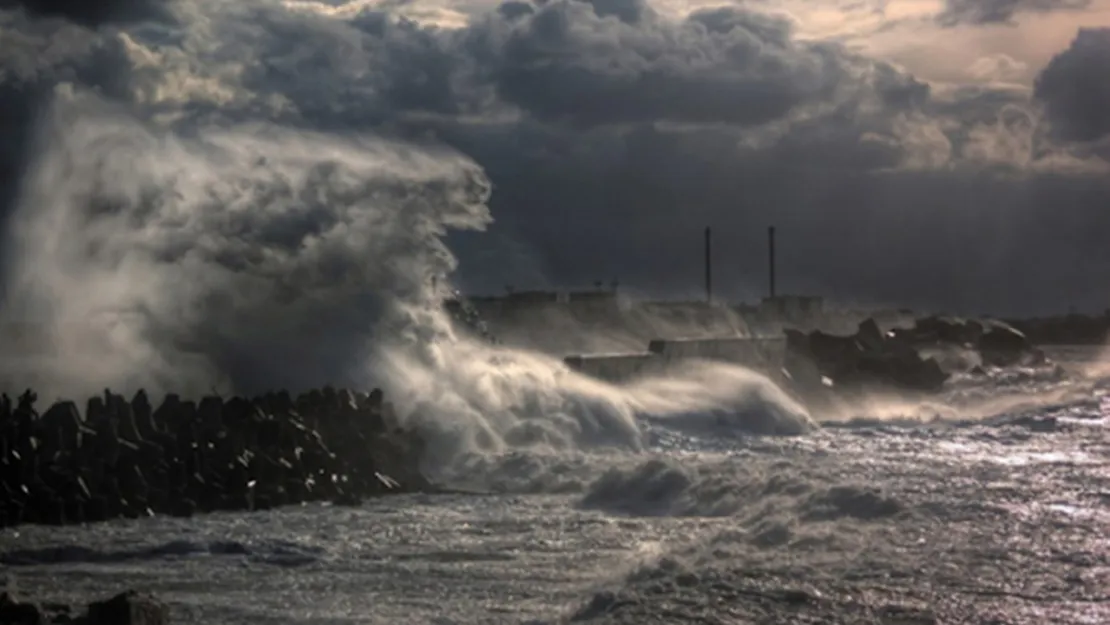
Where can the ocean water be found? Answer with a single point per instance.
(1000, 518)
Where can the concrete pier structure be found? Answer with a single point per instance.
(763, 354)
(759, 353)
(615, 367)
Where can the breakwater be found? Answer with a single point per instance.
(129, 458)
(764, 354)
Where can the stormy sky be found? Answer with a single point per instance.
(948, 154)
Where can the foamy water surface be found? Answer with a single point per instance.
(1002, 519)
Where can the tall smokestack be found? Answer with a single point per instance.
(771, 259)
(708, 264)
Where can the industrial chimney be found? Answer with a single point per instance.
(771, 260)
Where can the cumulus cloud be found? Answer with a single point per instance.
(983, 12)
(1075, 90)
(996, 68)
(619, 63)
(613, 133)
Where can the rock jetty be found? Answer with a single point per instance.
(998, 344)
(1073, 329)
(893, 359)
(128, 458)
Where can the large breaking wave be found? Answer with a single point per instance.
(251, 257)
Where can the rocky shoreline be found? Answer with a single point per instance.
(124, 458)
(1073, 329)
(917, 359)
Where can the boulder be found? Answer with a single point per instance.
(15, 612)
(996, 343)
(867, 358)
(128, 608)
(951, 330)
(910, 372)
(1004, 346)
(1073, 329)
(869, 337)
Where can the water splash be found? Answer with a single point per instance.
(251, 257)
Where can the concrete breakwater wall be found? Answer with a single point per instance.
(567, 324)
(763, 354)
(615, 367)
(122, 458)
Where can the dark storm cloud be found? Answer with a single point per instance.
(881, 189)
(628, 11)
(1075, 87)
(94, 13)
(573, 61)
(982, 12)
(613, 135)
(966, 239)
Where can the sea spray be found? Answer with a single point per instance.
(244, 258)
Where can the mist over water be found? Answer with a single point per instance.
(254, 257)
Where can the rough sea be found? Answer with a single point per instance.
(1001, 516)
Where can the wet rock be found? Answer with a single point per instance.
(869, 337)
(1003, 346)
(868, 358)
(16, 612)
(873, 358)
(466, 315)
(905, 370)
(1073, 329)
(999, 344)
(128, 608)
(58, 613)
(951, 330)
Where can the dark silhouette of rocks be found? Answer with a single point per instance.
(873, 358)
(123, 458)
(1071, 329)
(16, 612)
(868, 358)
(128, 608)
(998, 343)
(466, 315)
